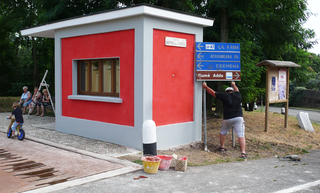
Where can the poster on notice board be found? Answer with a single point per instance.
(282, 83)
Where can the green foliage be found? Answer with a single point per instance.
(266, 29)
(296, 96)
(315, 62)
(250, 74)
(314, 83)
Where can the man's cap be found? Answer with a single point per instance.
(229, 89)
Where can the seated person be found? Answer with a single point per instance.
(45, 102)
(25, 99)
(36, 99)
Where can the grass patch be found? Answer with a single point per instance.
(6, 106)
(138, 162)
(6, 103)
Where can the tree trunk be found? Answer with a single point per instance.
(224, 36)
(224, 26)
(35, 63)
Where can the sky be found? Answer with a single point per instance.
(314, 23)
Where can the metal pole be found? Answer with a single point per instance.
(233, 139)
(205, 119)
(287, 103)
(267, 100)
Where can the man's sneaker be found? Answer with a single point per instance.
(13, 136)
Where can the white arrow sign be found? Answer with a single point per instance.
(199, 46)
(200, 56)
(237, 75)
(199, 65)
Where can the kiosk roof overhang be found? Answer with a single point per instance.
(48, 30)
(277, 63)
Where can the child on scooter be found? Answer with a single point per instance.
(17, 112)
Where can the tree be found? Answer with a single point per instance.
(266, 29)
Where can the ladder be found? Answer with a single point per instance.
(42, 83)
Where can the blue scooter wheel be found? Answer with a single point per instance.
(22, 134)
(9, 133)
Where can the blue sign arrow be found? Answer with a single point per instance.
(218, 66)
(214, 56)
(217, 47)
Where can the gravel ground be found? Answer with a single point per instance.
(75, 141)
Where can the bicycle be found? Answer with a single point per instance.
(20, 132)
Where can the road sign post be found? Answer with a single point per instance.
(217, 62)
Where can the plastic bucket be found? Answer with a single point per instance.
(150, 164)
(165, 162)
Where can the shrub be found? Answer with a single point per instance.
(296, 97)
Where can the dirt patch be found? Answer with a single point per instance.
(259, 144)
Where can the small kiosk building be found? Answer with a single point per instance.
(116, 69)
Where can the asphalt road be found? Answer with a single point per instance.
(314, 116)
(255, 176)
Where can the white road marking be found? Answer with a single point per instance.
(300, 187)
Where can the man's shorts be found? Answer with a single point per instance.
(237, 123)
(15, 125)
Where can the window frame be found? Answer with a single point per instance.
(113, 92)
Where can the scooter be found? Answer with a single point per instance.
(20, 132)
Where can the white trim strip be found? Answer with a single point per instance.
(95, 98)
(49, 29)
(300, 187)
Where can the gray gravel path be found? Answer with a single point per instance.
(75, 141)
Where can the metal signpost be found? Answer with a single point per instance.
(217, 62)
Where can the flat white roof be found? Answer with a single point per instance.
(48, 30)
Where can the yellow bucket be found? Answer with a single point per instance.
(150, 164)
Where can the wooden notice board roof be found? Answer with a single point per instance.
(277, 63)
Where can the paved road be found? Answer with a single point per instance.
(314, 116)
(257, 176)
(27, 165)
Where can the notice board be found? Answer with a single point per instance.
(277, 84)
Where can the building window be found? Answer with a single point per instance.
(99, 77)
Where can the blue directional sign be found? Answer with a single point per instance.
(218, 61)
(218, 56)
(216, 47)
(223, 66)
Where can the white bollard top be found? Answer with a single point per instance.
(149, 133)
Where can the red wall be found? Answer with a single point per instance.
(113, 44)
(172, 95)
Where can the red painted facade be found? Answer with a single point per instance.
(173, 79)
(114, 44)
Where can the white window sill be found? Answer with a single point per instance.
(95, 98)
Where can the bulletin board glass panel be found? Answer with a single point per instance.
(277, 85)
